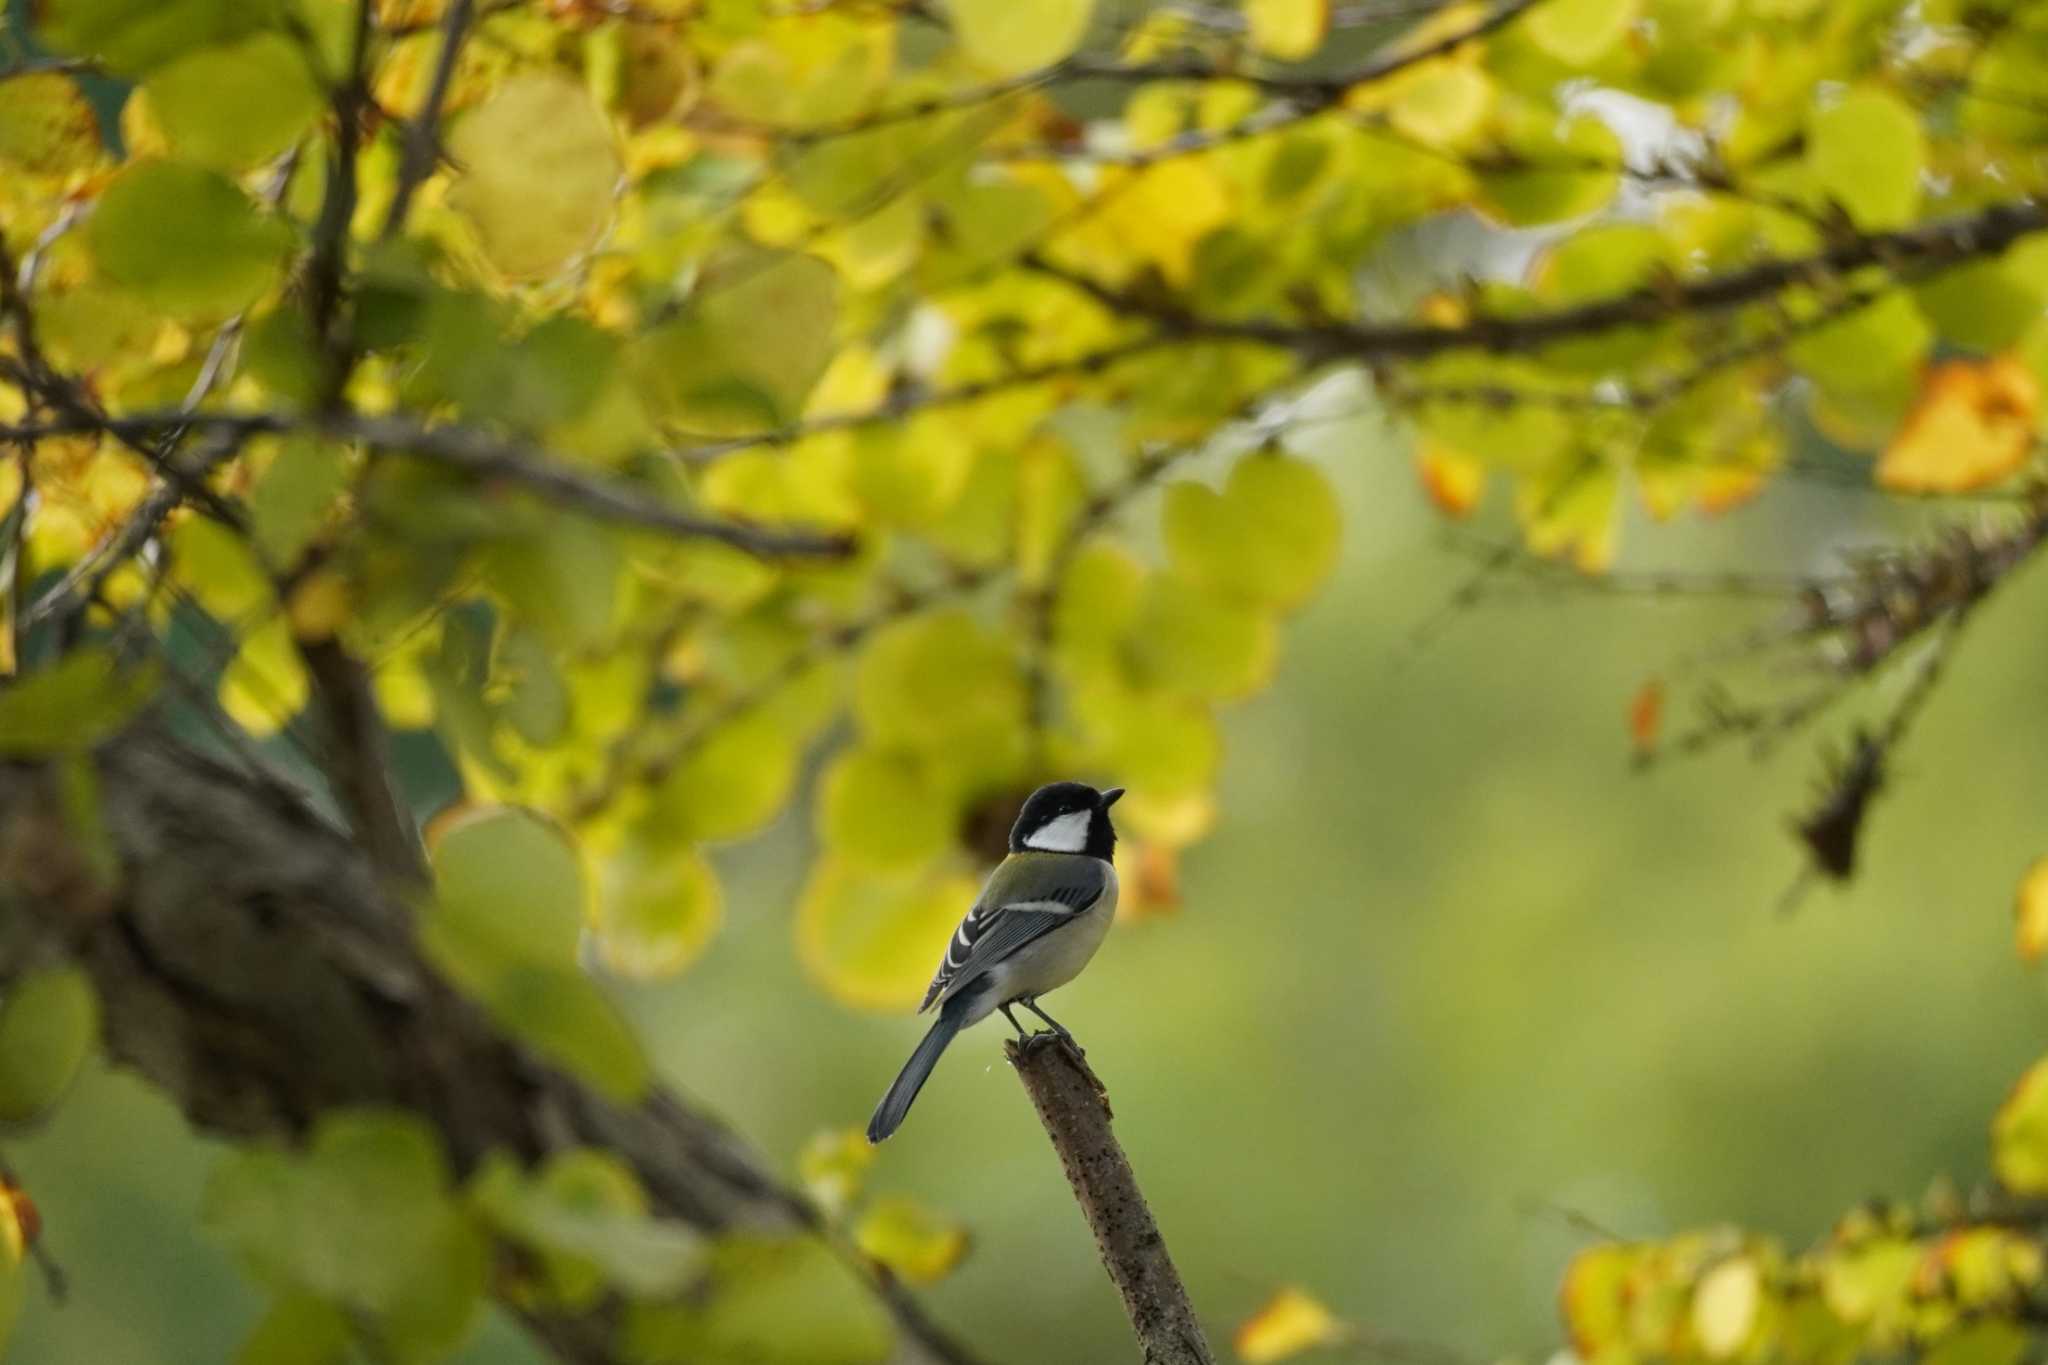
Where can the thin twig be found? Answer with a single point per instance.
(422, 135)
(1074, 1108)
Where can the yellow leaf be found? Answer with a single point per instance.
(1010, 37)
(1593, 1299)
(1972, 425)
(657, 908)
(1454, 481)
(2019, 1134)
(2030, 933)
(539, 173)
(916, 1244)
(1287, 29)
(1724, 1306)
(1286, 1325)
(833, 1164)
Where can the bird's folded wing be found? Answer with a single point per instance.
(998, 926)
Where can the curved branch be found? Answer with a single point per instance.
(1929, 247)
(1075, 1110)
(252, 965)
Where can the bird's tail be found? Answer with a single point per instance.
(889, 1113)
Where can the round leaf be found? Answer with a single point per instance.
(539, 174)
(658, 906)
(235, 106)
(873, 942)
(1866, 153)
(1010, 37)
(186, 240)
(49, 1021)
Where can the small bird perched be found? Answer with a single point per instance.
(1040, 917)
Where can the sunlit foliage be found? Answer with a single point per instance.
(687, 412)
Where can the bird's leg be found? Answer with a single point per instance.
(1013, 1020)
(1031, 1003)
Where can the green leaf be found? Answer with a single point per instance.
(293, 499)
(1866, 152)
(833, 1165)
(297, 1329)
(1192, 640)
(511, 879)
(584, 1213)
(83, 698)
(561, 1014)
(238, 105)
(1009, 37)
(561, 576)
(131, 36)
(539, 173)
(765, 1300)
(186, 240)
(49, 1023)
(658, 907)
(753, 338)
(364, 1221)
(1269, 538)
(1559, 168)
(47, 127)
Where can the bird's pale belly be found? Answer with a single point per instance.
(1052, 961)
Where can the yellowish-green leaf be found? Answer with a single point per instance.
(1010, 37)
(294, 498)
(918, 1245)
(873, 942)
(1560, 167)
(1579, 32)
(237, 105)
(731, 784)
(265, 685)
(298, 1329)
(1288, 30)
(879, 808)
(131, 36)
(832, 1165)
(49, 1023)
(73, 704)
(753, 339)
(1269, 538)
(583, 1211)
(46, 125)
(1866, 153)
(539, 173)
(186, 240)
(658, 907)
(1191, 640)
(512, 876)
(766, 1299)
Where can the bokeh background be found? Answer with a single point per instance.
(1449, 981)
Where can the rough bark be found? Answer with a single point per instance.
(1074, 1107)
(252, 965)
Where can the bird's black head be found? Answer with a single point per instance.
(1066, 817)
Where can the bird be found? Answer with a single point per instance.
(1039, 919)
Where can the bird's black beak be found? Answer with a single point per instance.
(1109, 797)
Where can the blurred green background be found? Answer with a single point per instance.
(1446, 967)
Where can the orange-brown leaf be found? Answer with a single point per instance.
(1646, 715)
(1454, 482)
(1971, 426)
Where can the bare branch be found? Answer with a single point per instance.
(422, 135)
(472, 451)
(1074, 1108)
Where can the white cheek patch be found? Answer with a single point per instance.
(1066, 834)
